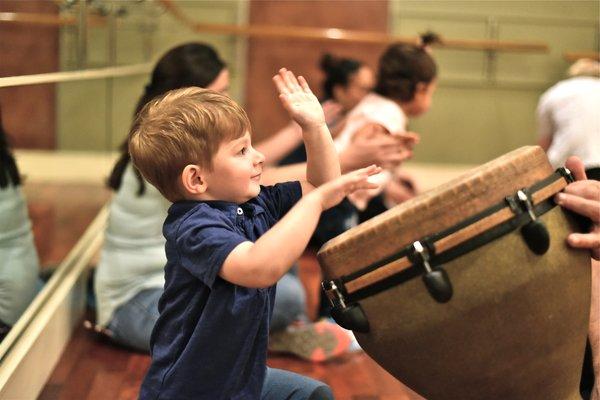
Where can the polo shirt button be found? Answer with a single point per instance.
(240, 211)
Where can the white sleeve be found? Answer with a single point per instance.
(545, 124)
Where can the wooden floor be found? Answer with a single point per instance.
(93, 369)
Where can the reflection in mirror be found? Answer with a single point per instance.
(19, 262)
(130, 271)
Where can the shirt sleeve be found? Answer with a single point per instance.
(281, 197)
(544, 117)
(204, 245)
(389, 117)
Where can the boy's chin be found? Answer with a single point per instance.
(253, 191)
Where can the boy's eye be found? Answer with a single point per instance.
(243, 151)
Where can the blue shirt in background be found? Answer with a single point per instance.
(210, 341)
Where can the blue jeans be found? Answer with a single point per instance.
(132, 323)
(290, 302)
(286, 385)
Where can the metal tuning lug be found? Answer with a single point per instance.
(566, 173)
(534, 233)
(347, 316)
(436, 279)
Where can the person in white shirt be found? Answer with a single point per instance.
(406, 82)
(569, 125)
(568, 117)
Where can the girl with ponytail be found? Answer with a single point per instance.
(129, 277)
(406, 81)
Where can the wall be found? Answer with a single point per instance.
(95, 115)
(28, 113)
(485, 104)
(266, 56)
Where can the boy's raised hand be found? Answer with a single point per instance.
(333, 192)
(298, 100)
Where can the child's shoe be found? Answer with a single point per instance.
(318, 342)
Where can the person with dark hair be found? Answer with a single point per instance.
(346, 82)
(129, 278)
(191, 64)
(406, 81)
(19, 263)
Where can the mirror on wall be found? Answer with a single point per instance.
(68, 91)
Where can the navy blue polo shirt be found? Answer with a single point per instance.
(210, 341)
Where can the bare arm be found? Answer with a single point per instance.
(322, 163)
(373, 144)
(289, 137)
(281, 143)
(263, 263)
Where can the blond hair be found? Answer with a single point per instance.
(182, 127)
(584, 67)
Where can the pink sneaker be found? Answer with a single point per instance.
(318, 342)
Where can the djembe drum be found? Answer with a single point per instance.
(470, 291)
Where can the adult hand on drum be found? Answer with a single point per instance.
(372, 144)
(582, 197)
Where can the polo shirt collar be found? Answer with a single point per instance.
(231, 209)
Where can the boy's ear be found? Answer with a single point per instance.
(192, 179)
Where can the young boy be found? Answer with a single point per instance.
(229, 240)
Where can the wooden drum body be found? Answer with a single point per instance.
(495, 317)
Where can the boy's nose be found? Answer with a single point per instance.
(259, 158)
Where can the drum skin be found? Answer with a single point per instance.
(517, 323)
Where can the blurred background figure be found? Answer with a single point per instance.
(19, 264)
(129, 278)
(569, 120)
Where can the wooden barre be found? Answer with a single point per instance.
(344, 35)
(266, 31)
(47, 19)
(573, 56)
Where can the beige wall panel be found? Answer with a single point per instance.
(266, 56)
(28, 112)
(143, 35)
(485, 103)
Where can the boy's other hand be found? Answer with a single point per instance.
(333, 192)
(298, 100)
